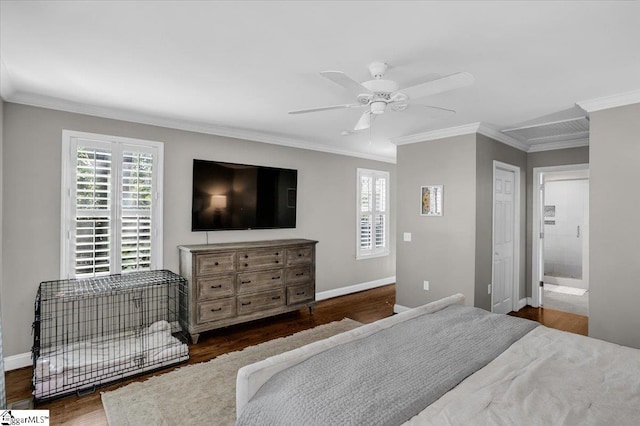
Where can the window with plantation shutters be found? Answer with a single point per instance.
(373, 213)
(112, 205)
(137, 186)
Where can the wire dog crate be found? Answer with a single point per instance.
(93, 331)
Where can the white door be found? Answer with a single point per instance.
(503, 240)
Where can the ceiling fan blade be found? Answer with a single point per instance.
(450, 82)
(445, 110)
(434, 112)
(364, 122)
(326, 108)
(345, 81)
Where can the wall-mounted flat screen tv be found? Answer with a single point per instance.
(229, 196)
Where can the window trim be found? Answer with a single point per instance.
(67, 183)
(373, 253)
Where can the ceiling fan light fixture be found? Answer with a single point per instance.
(378, 107)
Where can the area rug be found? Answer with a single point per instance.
(203, 393)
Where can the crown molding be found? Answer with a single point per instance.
(490, 132)
(466, 129)
(437, 134)
(613, 101)
(190, 126)
(496, 134)
(550, 146)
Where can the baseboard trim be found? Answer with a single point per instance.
(14, 362)
(399, 308)
(342, 291)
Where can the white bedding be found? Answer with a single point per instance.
(548, 377)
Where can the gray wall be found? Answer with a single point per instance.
(32, 167)
(452, 252)
(614, 246)
(442, 249)
(488, 150)
(559, 157)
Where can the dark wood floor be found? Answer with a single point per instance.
(365, 307)
(555, 319)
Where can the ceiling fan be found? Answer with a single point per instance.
(378, 94)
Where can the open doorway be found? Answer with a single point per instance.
(561, 228)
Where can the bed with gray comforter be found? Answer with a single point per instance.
(450, 366)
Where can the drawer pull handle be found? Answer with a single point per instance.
(246, 256)
(216, 309)
(275, 278)
(245, 303)
(246, 264)
(217, 286)
(300, 293)
(216, 264)
(245, 282)
(275, 298)
(277, 261)
(299, 254)
(299, 274)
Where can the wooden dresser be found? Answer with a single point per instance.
(232, 283)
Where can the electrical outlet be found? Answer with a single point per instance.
(407, 236)
(426, 285)
(489, 289)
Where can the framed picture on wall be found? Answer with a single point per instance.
(431, 200)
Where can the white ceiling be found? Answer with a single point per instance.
(236, 68)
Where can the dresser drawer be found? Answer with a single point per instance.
(300, 293)
(299, 274)
(300, 255)
(257, 259)
(260, 301)
(214, 263)
(215, 287)
(260, 281)
(216, 309)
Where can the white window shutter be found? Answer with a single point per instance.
(112, 191)
(136, 202)
(92, 235)
(373, 213)
(366, 199)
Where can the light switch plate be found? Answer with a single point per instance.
(407, 236)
